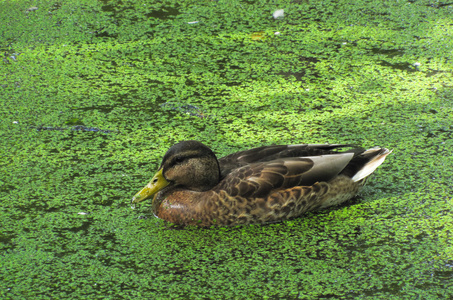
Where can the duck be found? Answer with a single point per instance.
(261, 185)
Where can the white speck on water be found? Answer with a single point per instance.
(279, 13)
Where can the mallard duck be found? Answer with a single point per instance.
(260, 185)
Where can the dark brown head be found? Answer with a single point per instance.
(188, 165)
(191, 165)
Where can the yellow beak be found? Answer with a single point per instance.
(155, 185)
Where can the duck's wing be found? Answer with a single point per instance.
(262, 178)
(269, 153)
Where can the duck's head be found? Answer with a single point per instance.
(187, 165)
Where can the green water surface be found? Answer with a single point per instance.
(93, 93)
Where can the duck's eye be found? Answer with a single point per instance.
(178, 160)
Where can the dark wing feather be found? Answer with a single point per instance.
(262, 178)
(269, 153)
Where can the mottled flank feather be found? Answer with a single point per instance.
(260, 185)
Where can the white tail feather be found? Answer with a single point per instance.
(372, 164)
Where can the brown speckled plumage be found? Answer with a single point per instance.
(260, 185)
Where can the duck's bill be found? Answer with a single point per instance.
(156, 184)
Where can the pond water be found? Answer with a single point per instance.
(94, 92)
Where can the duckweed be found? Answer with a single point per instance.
(146, 75)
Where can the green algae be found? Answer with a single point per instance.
(372, 73)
